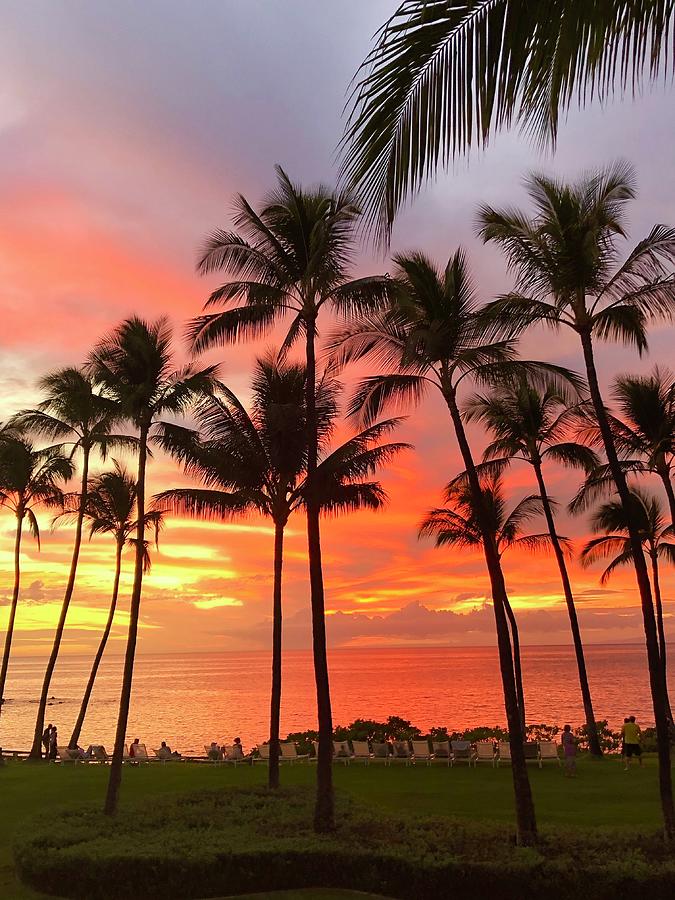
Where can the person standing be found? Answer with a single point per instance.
(53, 743)
(569, 745)
(46, 739)
(632, 737)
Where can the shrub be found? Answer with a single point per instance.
(247, 840)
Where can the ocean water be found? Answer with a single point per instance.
(193, 698)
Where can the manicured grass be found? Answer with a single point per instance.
(603, 795)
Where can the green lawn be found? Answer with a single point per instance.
(602, 796)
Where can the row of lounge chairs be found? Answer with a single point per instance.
(99, 754)
(447, 752)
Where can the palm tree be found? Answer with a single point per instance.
(256, 463)
(431, 337)
(457, 525)
(76, 414)
(29, 478)
(444, 75)
(646, 513)
(292, 258)
(564, 258)
(532, 425)
(644, 434)
(111, 504)
(133, 365)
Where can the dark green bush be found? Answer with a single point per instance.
(247, 840)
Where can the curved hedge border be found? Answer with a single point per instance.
(243, 841)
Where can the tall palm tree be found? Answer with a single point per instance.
(457, 525)
(431, 337)
(255, 462)
(111, 507)
(29, 478)
(134, 366)
(564, 257)
(534, 425)
(76, 414)
(647, 515)
(292, 257)
(444, 75)
(644, 434)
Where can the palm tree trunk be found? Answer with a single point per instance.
(36, 752)
(324, 810)
(275, 704)
(642, 577)
(115, 780)
(659, 625)
(526, 822)
(670, 493)
(517, 665)
(75, 737)
(14, 604)
(591, 727)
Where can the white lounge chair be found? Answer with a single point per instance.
(64, 755)
(461, 752)
(442, 752)
(485, 752)
(503, 753)
(289, 753)
(99, 754)
(213, 753)
(381, 752)
(548, 750)
(402, 751)
(362, 751)
(263, 754)
(342, 752)
(141, 753)
(421, 752)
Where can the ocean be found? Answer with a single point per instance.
(193, 698)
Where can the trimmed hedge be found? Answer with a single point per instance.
(246, 840)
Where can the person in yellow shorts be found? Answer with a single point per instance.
(632, 736)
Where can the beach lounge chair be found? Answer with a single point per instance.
(485, 752)
(264, 754)
(503, 753)
(381, 752)
(401, 751)
(461, 752)
(141, 754)
(442, 752)
(548, 750)
(531, 750)
(342, 752)
(290, 754)
(361, 751)
(213, 754)
(421, 752)
(99, 754)
(64, 755)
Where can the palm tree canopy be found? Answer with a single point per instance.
(30, 478)
(74, 412)
(254, 461)
(288, 258)
(134, 366)
(612, 519)
(646, 427)
(564, 257)
(444, 75)
(457, 523)
(530, 423)
(432, 334)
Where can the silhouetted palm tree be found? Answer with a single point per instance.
(647, 515)
(534, 425)
(292, 258)
(76, 414)
(565, 261)
(29, 478)
(256, 463)
(444, 75)
(644, 434)
(457, 525)
(134, 365)
(431, 337)
(110, 509)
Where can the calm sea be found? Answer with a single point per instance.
(194, 698)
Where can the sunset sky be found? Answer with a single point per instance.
(125, 130)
